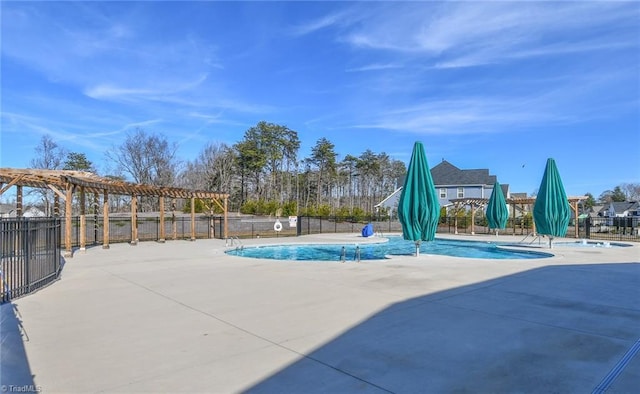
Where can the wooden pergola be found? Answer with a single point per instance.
(514, 202)
(65, 183)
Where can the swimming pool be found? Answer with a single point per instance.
(395, 246)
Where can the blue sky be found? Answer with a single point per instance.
(494, 85)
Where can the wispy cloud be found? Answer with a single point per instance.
(465, 34)
(493, 113)
(459, 117)
(108, 91)
(323, 22)
(375, 67)
(129, 126)
(59, 131)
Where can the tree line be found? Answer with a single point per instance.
(263, 173)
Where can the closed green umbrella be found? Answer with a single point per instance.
(551, 211)
(418, 206)
(497, 211)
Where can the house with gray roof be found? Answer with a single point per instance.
(620, 209)
(453, 183)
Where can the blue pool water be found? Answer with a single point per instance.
(396, 246)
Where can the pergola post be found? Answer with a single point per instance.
(83, 220)
(226, 222)
(134, 220)
(193, 218)
(19, 201)
(56, 205)
(455, 218)
(18, 239)
(533, 222)
(162, 230)
(174, 223)
(575, 215)
(67, 221)
(473, 213)
(105, 220)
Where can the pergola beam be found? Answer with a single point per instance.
(57, 191)
(12, 182)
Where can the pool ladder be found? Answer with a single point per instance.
(343, 254)
(230, 241)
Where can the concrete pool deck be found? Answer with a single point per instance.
(183, 317)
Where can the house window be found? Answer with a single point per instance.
(443, 193)
(461, 192)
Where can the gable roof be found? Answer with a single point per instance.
(446, 173)
(391, 200)
(621, 207)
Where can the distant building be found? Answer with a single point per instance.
(7, 210)
(453, 183)
(10, 211)
(620, 209)
(33, 212)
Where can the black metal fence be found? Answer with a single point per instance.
(611, 229)
(29, 255)
(331, 224)
(452, 225)
(148, 229)
(179, 227)
(615, 229)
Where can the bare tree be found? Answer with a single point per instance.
(212, 170)
(48, 156)
(631, 191)
(146, 158)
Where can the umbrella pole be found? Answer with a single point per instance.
(417, 248)
(550, 244)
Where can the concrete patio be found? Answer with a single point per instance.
(183, 317)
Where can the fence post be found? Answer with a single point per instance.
(25, 253)
(56, 246)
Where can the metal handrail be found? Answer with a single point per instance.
(233, 241)
(535, 236)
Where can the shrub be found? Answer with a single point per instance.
(290, 208)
